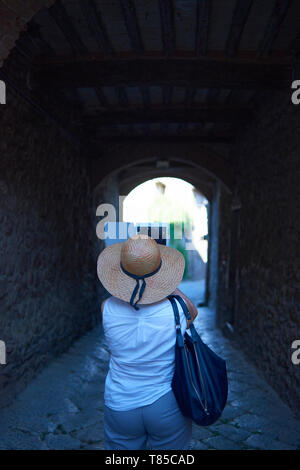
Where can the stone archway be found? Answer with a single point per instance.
(120, 180)
(119, 156)
(14, 16)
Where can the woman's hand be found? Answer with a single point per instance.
(190, 305)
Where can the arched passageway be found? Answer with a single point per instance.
(118, 184)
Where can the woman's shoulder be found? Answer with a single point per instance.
(112, 302)
(107, 303)
(159, 305)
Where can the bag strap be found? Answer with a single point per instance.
(183, 306)
(179, 337)
(188, 316)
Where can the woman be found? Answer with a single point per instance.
(138, 320)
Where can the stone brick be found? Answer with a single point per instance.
(265, 443)
(221, 443)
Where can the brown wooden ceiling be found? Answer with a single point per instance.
(163, 68)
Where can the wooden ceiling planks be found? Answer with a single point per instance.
(159, 28)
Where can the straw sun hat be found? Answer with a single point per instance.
(140, 270)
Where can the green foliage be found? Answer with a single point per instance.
(179, 245)
(165, 209)
(174, 211)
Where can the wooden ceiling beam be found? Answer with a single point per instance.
(163, 72)
(240, 16)
(190, 94)
(167, 92)
(145, 92)
(132, 26)
(277, 17)
(60, 15)
(157, 136)
(31, 43)
(101, 97)
(34, 32)
(295, 47)
(242, 56)
(62, 19)
(167, 27)
(172, 115)
(212, 96)
(181, 128)
(122, 97)
(202, 28)
(97, 28)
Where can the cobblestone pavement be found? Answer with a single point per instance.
(63, 407)
(194, 289)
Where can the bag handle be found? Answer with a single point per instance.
(188, 316)
(183, 305)
(179, 337)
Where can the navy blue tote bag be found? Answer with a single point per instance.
(200, 378)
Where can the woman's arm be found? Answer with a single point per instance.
(190, 305)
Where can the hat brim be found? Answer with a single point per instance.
(158, 286)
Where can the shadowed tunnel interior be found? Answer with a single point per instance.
(104, 95)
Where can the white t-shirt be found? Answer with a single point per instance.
(142, 347)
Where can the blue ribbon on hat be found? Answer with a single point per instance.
(139, 289)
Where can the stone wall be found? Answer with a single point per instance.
(268, 176)
(14, 16)
(47, 257)
(219, 252)
(222, 291)
(106, 192)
